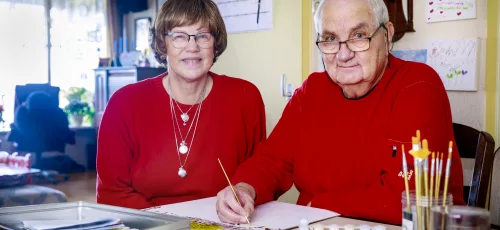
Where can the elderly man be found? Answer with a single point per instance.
(340, 136)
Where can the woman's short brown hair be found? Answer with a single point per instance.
(176, 13)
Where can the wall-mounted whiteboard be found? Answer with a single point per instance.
(448, 10)
(246, 15)
(455, 60)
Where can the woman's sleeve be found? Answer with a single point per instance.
(115, 155)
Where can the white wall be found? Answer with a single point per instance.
(261, 57)
(467, 107)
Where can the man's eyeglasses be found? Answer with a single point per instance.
(353, 44)
(180, 39)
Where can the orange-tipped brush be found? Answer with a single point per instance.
(447, 173)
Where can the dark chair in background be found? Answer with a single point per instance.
(478, 147)
(41, 126)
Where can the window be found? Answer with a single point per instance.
(23, 51)
(78, 38)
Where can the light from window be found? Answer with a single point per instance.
(78, 37)
(23, 46)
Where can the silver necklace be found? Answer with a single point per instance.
(182, 147)
(184, 115)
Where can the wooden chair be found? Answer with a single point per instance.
(495, 192)
(478, 146)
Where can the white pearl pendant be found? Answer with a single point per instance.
(183, 148)
(185, 118)
(182, 173)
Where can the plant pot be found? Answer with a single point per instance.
(77, 120)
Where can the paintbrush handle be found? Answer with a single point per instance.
(232, 188)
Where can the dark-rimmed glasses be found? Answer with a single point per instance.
(181, 40)
(353, 44)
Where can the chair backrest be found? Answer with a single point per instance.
(23, 91)
(477, 146)
(41, 128)
(495, 191)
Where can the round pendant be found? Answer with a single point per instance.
(182, 173)
(185, 117)
(183, 148)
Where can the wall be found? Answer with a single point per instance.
(261, 57)
(467, 107)
(497, 126)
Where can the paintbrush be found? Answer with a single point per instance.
(407, 187)
(234, 192)
(431, 190)
(447, 173)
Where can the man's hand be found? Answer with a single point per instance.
(228, 208)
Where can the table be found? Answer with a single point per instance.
(344, 221)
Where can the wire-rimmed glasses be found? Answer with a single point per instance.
(353, 44)
(180, 40)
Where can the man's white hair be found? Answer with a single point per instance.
(379, 10)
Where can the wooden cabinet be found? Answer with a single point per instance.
(109, 80)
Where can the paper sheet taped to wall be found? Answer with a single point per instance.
(455, 60)
(449, 10)
(246, 15)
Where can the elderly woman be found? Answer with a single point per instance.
(339, 139)
(160, 138)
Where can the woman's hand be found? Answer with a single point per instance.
(228, 208)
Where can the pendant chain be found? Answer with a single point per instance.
(182, 147)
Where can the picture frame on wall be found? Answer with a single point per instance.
(142, 33)
(159, 3)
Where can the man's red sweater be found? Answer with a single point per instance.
(339, 152)
(137, 160)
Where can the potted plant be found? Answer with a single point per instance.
(77, 111)
(78, 106)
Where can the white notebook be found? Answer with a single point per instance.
(273, 215)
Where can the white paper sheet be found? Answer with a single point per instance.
(455, 60)
(450, 10)
(241, 15)
(273, 215)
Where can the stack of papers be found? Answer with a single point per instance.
(107, 223)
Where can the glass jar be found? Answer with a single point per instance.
(459, 217)
(419, 213)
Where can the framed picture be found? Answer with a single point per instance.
(104, 62)
(142, 26)
(159, 3)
